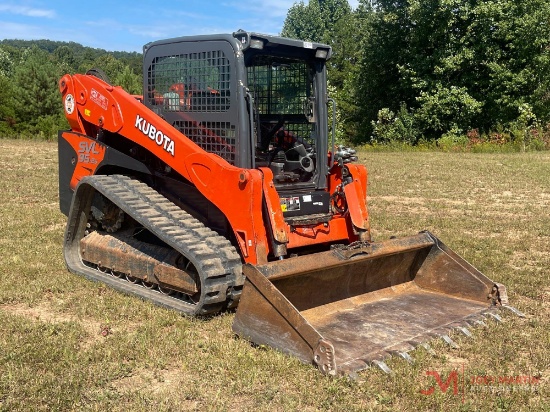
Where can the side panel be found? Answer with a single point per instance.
(66, 153)
(81, 156)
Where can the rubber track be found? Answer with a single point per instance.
(215, 258)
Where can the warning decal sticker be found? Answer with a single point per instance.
(69, 104)
(289, 204)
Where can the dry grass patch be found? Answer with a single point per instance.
(158, 381)
(95, 331)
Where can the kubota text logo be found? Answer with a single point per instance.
(155, 135)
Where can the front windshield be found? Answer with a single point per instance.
(283, 91)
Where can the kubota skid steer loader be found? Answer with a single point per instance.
(222, 185)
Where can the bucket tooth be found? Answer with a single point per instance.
(427, 348)
(382, 365)
(514, 310)
(447, 339)
(402, 351)
(495, 316)
(464, 331)
(406, 356)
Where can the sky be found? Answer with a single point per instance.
(127, 25)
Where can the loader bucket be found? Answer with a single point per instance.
(348, 308)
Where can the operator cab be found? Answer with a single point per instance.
(253, 99)
(285, 133)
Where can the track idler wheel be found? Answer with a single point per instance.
(109, 215)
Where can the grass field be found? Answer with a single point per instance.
(69, 344)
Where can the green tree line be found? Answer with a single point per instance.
(407, 71)
(30, 103)
(434, 70)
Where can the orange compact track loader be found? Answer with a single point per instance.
(221, 186)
